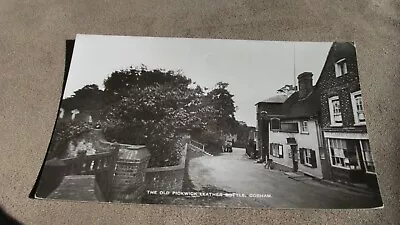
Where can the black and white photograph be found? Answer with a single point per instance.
(212, 122)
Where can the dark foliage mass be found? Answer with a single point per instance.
(153, 107)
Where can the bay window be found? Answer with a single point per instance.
(343, 154)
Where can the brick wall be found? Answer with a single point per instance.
(170, 179)
(329, 85)
(167, 178)
(129, 179)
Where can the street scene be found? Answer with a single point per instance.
(219, 123)
(286, 189)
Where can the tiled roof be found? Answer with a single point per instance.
(302, 108)
(276, 99)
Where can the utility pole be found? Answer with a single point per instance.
(294, 66)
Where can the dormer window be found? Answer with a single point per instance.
(341, 67)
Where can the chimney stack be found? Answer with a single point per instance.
(305, 84)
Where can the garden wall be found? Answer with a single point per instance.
(167, 178)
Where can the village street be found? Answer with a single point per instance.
(235, 173)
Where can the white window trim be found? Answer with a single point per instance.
(305, 157)
(301, 127)
(341, 167)
(279, 149)
(331, 115)
(363, 156)
(354, 105)
(337, 67)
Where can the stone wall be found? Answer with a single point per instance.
(167, 178)
(129, 179)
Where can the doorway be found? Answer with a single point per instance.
(294, 157)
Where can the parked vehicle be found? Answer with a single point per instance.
(228, 146)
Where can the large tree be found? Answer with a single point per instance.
(155, 108)
(90, 97)
(222, 100)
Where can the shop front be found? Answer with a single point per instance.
(351, 158)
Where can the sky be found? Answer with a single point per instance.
(253, 69)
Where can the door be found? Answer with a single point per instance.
(295, 157)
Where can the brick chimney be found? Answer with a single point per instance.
(305, 84)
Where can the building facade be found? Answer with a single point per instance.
(295, 136)
(343, 118)
(266, 110)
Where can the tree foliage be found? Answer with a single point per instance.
(90, 97)
(64, 132)
(222, 101)
(156, 108)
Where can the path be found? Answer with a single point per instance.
(235, 173)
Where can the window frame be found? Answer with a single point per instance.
(338, 67)
(302, 127)
(296, 124)
(331, 100)
(307, 156)
(275, 129)
(276, 150)
(354, 96)
(364, 160)
(358, 167)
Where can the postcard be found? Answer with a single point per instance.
(211, 122)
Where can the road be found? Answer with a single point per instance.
(235, 173)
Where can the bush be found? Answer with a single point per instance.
(211, 141)
(63, 133)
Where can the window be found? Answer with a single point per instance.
(308, 157)
(358, 108)
(340, 67)
(276, 150)
(335, 112)
(304, 127)
(275, 124)
(290, 127)
(343, 154)
(367, 156)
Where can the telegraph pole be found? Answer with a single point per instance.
(294, 65)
